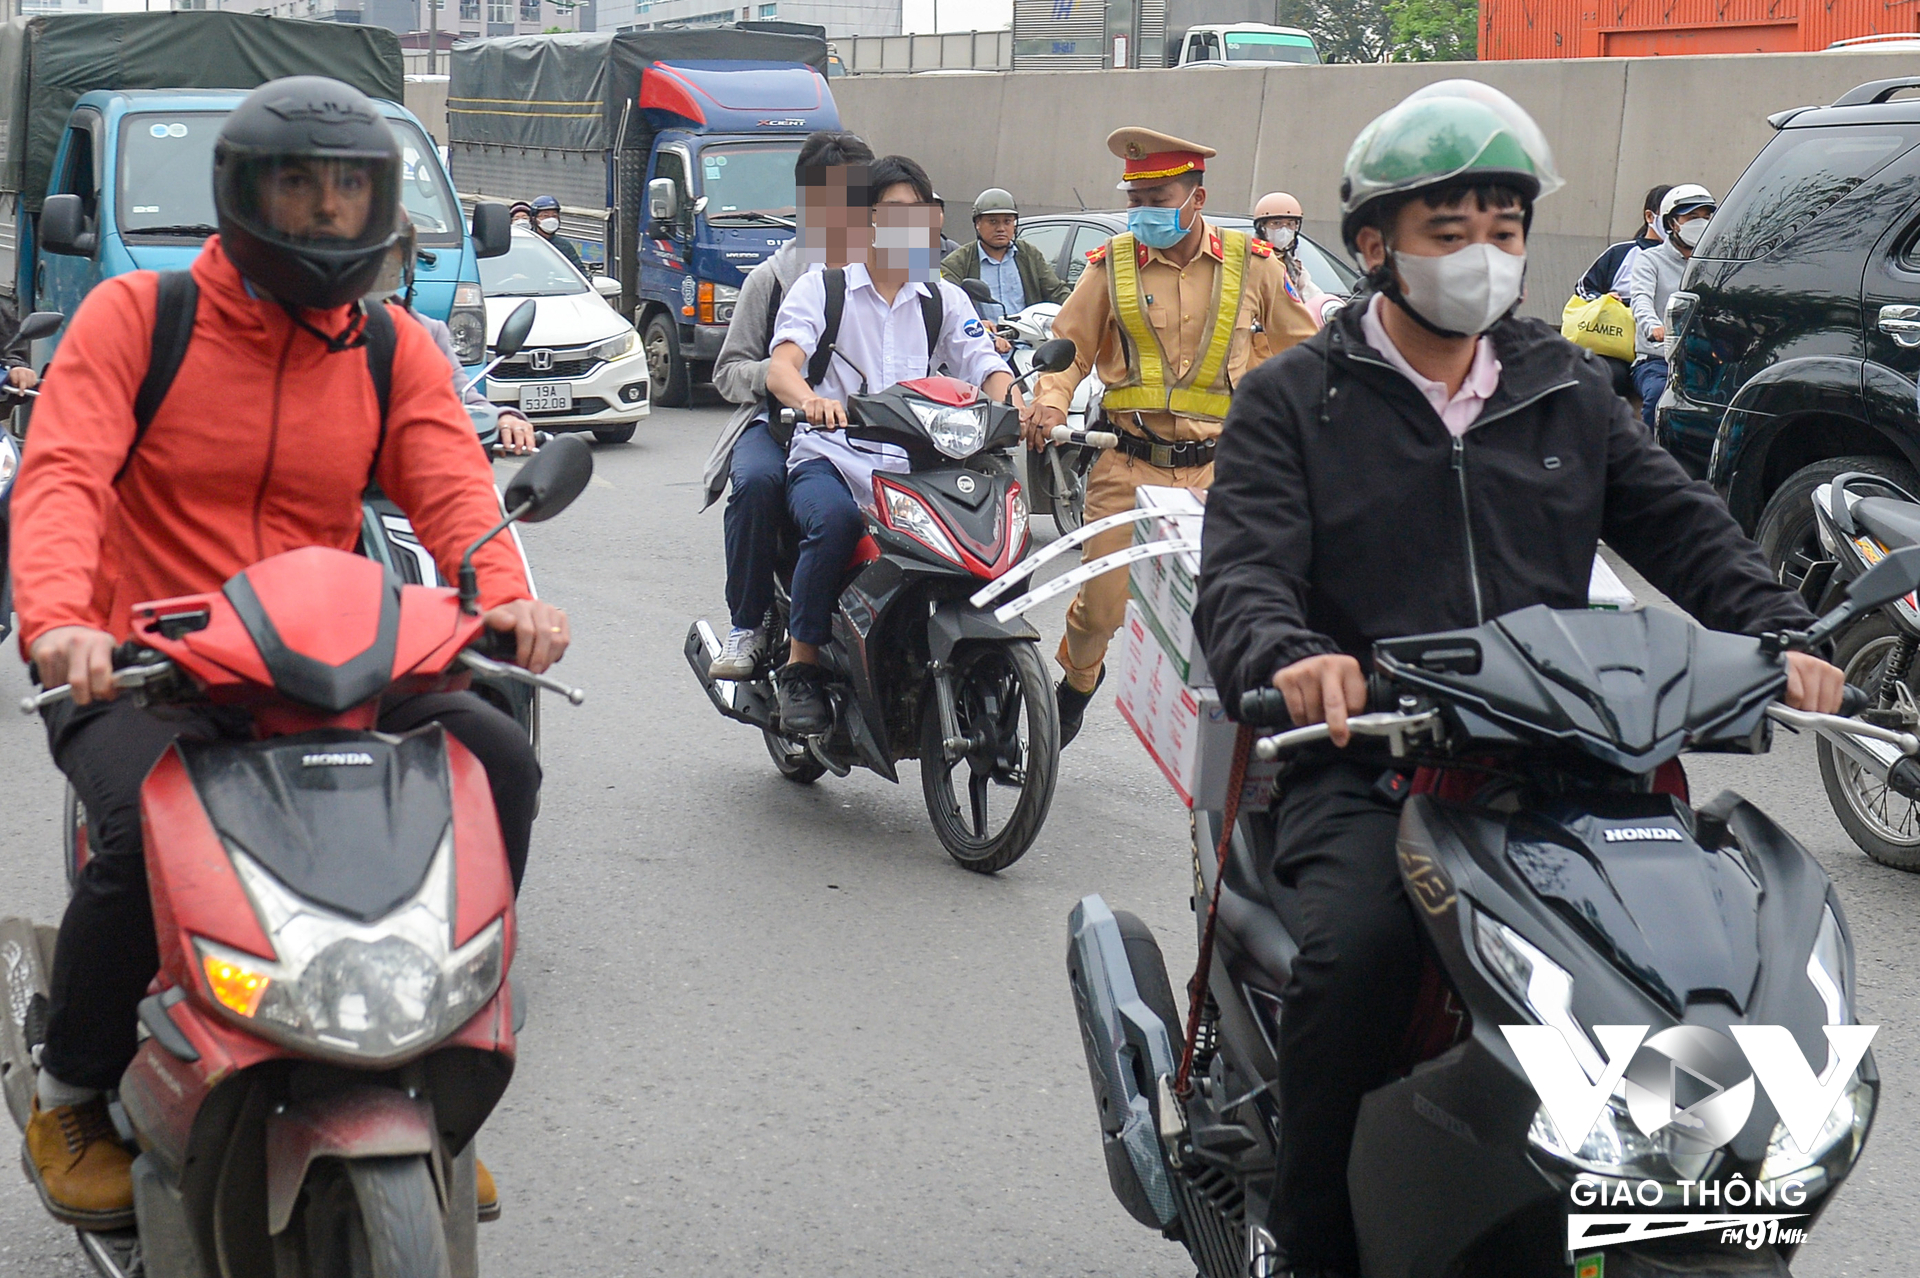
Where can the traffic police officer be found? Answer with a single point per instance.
(1166, 312)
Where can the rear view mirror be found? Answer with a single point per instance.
(63, 227)
(551, 479)
(492, 230)
(513, 333)
(977, 290)
(606, 286)
(1055, 355)
(40, 324)
(663, 200)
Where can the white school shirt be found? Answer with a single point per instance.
(889, 344)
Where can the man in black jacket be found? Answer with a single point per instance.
(1426, 462)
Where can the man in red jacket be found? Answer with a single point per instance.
(263, 444)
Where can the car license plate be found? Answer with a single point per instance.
(546, 397)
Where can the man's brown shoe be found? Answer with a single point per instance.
(76, 1161)
(488, 1195)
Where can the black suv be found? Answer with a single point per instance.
(1798, 319)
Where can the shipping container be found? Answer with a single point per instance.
(1639, 28)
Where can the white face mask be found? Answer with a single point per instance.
(1689, 233)
(1464, 292)
(549, 224)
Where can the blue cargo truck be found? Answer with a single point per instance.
(671, 153)
(109, 127)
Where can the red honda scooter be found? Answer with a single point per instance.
(332, 1020)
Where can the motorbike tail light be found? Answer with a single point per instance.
(906, 514)
(1872, 552)
(238, 987)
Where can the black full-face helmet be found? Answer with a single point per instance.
(306, 182)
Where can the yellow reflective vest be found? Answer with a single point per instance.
(1203, 393)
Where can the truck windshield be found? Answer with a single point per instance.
(166, 178)
(1269, 46)
(740, 181)
(531, 268)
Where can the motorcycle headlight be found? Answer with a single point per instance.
(1834, 1150)
(617, 347)
(9, 462)
(1017, 515)
(957, 432)
(370, 993)
(903, 512)
(1614, 1148)
(468, 323)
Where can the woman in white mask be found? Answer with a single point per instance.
(1684, 215)
(1426, 462)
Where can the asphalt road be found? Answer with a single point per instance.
(775, 1030)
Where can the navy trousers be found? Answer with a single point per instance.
(830, 525)
(756, 507)
(1650, 379)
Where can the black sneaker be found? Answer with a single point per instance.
(804, 711)
(1073, 707)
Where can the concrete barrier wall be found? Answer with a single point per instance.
(1617, 125)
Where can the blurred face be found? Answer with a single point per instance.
(317, 199)
(834, 227)
(1436, 232)
(996, 230)
(906, 232)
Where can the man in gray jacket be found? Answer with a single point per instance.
(1684, 213)
(830, 174)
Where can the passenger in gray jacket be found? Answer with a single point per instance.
(1684, 213)
(750, 456)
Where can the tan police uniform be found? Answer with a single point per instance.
(1170, 342)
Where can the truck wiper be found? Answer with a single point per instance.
(191, 228)
(763, 219)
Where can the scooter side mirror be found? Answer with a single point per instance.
(977, 290)
(40, 324)
(513, 333)
(1055, 355)
(550, 480)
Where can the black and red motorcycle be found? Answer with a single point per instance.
(332, 1020)
(916, 670)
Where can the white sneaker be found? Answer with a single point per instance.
(740, 658)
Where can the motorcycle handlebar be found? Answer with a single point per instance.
(1852, 701)
(1085, 438)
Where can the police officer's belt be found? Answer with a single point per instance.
(1194, 452)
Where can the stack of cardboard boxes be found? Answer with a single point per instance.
(1165, 692)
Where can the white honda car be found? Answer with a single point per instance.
(582, 367)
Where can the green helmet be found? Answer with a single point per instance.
(1450, 130)
(994, 200)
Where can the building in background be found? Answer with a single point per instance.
(839, 17)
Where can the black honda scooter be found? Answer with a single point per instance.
(916, 670)
(1561, 880)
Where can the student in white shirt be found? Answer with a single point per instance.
(882, 340)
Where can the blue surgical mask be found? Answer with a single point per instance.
(1158, 228)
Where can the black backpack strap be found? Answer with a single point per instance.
(933, 314)
(782, 434)
(836, 282)
(174, 309)
(381, 340)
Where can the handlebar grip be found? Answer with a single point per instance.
(132, 653)
(1102, 439)
(497, 644)
(1853, 700)
(1264, 708)
(789, 417)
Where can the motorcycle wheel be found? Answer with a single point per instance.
(1885, 826)
(795, 761)
(1070, 497)
(1004, 702)
(366, 1218)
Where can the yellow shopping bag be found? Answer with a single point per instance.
(1603, 325)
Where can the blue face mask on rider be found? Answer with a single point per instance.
(1158, 228)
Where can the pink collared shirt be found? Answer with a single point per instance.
(1460, 411)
